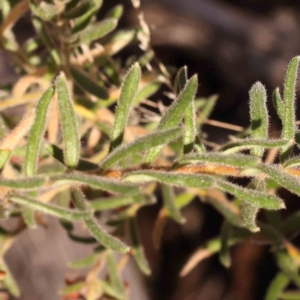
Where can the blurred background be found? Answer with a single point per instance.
(230, 44)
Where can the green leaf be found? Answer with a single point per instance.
(109, 203)
(128, 93)
(278, 104)
(180, 80)
(4, 156)
(287, 266)
(190, 114)
(289, 121)
(9, 281)
(206, 110)
(249, 211)
(259, 115)
(44, 10)
(72, 288)
(23, 183)
(57, 153)
(28, 216)
(83, 20)
(284, 179)
(145, 143)
(190, 129)
(116, 12)
(146, 91)
(175, 113)
(110, 291)
(290, 224)
(244, 144)
(115, 279)
(97, 182)
(68, 123)
(235, 160)
(224, 255)
(146, 58)
(292, 162)
(173, 178)
(170, 205)
(229, 210)
(78, 10)
(49, 209)
(36, 134)
(96, 230)
(88, 84)
(277, 286)
(249, 214)
(260, 199)
(85, 262)
(96, 31)
(137, 248)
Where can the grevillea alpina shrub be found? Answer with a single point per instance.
(69, 145)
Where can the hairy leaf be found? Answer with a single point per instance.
(175, 113)
(170, 204)
(139, 145)
(236, 160)
(137, 248)
(68, 123)
(289, 128)
(128, 93)
(36, 133)
(88, 84)
(263, 200)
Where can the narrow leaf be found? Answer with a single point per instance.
(278, 104)
(190, 129)
(287, 267)
(128, 93)
(83, 20)
(73, 288)
(109, 203)
(145, 143)
(23, 183)
(244, 144)
(249, 214)
(224, 255)
(292, 162)
(57, 153)
(97, 182)
(259, 115)
(289, 121)
(180, 80)
(97, 31)
(78, 10)
(36, 133)
(260, 199)
(96, 230)
(219, 201)
(115, 279)
(235, 160)
(49, 209)
(116, 12)
(280, 176)
(206, 110)
(88, 84)
(277, 286)
(85, 262)
(173, 178)
(68, 123)
(170, 205)
(137, 248)
(175, 113)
